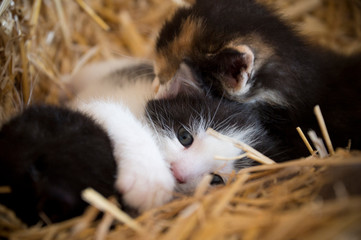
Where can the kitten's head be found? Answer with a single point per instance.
(181, 124)
(181, 120)
(237, 48)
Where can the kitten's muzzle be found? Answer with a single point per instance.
(180, 179)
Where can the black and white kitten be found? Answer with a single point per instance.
(165, 148)
(245, 52)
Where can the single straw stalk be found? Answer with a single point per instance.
(324, 131)
(230, 158)
(251, 152)
(97, 200)
(304, 139)
(63, 23)
(104, 226)
(25, 74)
(88, 216)
(93, 15)
(5, 189)
(35, 16)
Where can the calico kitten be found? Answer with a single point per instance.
(48, 155)
(245, 52)
(167, 149)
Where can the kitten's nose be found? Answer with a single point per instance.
(176, 173)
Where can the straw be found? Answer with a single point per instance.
(323, 128)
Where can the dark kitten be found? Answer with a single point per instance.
(48, 155)
(242, 50)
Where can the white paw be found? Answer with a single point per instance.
(144, 187)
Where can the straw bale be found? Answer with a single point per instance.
(43, 42)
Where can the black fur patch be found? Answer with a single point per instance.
(48, 155)
(221, 115)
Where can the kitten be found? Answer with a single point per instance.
(48, 155)
(166, 148)
(181, 123)
(245, 52)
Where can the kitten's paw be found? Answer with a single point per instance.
(143, 188)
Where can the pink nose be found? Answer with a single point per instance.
(176, 173)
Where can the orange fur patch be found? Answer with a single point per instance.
(167, 60)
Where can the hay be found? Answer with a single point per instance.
(277, 201)
(43, 42)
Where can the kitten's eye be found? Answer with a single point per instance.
(217, 180)
(184, 137)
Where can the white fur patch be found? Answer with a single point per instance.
(270, 96)
(143, 178)
(194, 162)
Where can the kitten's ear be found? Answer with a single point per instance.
(183, 82)
(234, 66)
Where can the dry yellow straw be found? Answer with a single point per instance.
(324, 131)
(5, 189)
(63, 24)
(103, 227)
(257, 158)
(97, 200)
(131, 37)
(254, 154)
(308, 145)
(24, 62)
(229, 195)
(184, 223)
(93, 15)
(203, 186)
(231, 158)
(35, 15)
(88, 216)
(4, 5)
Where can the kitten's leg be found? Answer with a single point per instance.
(144, 179)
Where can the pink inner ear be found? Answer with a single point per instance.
(183, 81)
(239, 68)
(155, 85)
(230, 81)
